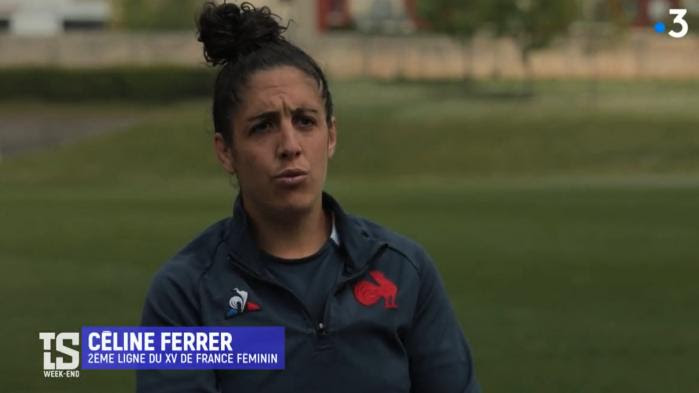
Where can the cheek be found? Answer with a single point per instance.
(250, 162)
(319, 147)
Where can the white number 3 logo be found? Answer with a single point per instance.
(679, 20)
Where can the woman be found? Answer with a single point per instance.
(364, 309)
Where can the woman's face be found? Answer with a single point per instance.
(281, 142)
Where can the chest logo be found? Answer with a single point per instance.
(239, 303)
(368, 293)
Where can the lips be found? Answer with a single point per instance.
(291, 177)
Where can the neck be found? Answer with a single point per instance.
(290, 236)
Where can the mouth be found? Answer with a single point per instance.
(291, 177)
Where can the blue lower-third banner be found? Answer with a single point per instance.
(183, 348)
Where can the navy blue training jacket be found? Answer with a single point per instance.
(387, 327)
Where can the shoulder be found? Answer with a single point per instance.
(403, 247)
(173, 296)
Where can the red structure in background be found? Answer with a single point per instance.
(335, 14)
(411, 11)
(643, 18)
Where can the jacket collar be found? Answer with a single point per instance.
(355, 240)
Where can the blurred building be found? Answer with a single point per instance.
(50, 17)
(646, 12)
(321, 16)
(301, 13)
(370, 16)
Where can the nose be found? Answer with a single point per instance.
(289, 146)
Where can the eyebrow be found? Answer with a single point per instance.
(271, 114)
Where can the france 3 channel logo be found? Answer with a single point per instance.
(679, 14)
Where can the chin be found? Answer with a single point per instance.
(297, 201)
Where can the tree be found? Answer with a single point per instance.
(460, 19)
(158, 14)
(603, 24)
(533, 24)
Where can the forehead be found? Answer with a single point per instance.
(277, 87)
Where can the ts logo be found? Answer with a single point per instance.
(61, 364)
(679, 14)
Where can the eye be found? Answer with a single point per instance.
(305, 121)
(261, 127)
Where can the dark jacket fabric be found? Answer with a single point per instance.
(387, 326)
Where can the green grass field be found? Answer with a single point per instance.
(565, 225)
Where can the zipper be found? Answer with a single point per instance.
(273, 282)
(322, 325)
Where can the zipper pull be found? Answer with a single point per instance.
(320, 329)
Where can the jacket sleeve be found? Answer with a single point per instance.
(172, 301)
(440, 358)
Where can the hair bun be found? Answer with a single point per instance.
(229, 32)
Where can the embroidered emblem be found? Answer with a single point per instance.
(239, 303)
(367, 293)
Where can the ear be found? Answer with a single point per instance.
(332, 137)
(224, 153)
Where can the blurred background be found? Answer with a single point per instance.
(546, 153)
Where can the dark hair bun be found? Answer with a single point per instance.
(229, 32)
